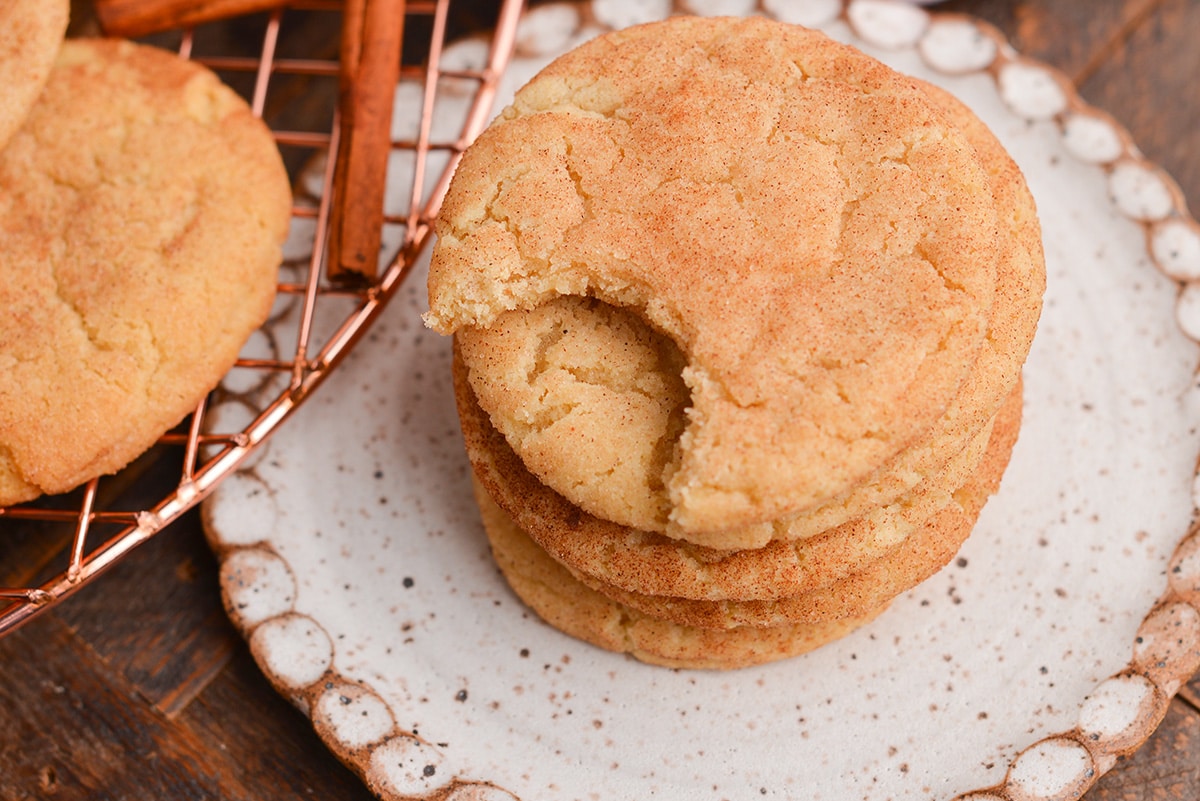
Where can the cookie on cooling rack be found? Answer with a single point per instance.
(142, 207)
(31, 32)
(817, 240)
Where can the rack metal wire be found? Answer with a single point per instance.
(54, 547)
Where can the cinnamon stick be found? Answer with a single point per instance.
(140, 17)
(370, 67)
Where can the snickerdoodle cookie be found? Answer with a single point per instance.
(651, 563)
(570, 606)
(589, 397)
(899, 569)
(31, 32)
(813, 235)
(142, 209)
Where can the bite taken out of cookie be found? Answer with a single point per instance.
(740, 315)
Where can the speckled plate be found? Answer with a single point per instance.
(353, 560)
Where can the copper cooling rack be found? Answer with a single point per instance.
(53, 547)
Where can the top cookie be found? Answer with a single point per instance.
(142, 210)
(31, 32)
(590, 398)
(819, 243)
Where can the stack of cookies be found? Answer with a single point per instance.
(740, 315)
(142, 212)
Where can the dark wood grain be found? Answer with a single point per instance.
(1070, 34)
(1166, 767)
(1155, 97)
(1136, 59)
(138, 687)
(171, 638)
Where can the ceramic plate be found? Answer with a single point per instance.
(354, 562)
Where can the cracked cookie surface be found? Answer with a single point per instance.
(1012, 325)
(815, 238)
(521, 400)
(142, 210)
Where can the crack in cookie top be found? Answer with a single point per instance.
(796, 216)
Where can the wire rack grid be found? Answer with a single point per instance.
(53, 547)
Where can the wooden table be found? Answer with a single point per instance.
(139, 688)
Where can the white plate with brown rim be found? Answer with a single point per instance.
(353, 561)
